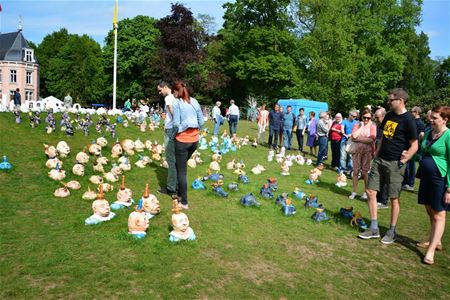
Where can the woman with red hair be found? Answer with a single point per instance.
(434, 174)
(187, 122)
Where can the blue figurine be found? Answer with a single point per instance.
(233, 186)
(273, 184)
(5, 165)
(287, 208)
(119, 120)
(346, 212)
(217, 188)
(266, 192)
(198, 184)
(17, 115)
(357, 219)
(249, 200)
(213, 177)
(281, 199)
(243, 178)
(320, 215)
(311, 201)
(298, 194)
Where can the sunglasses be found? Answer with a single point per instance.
(366, 118)
(354, 116)
(392, 100)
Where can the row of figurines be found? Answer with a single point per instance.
(138, 221)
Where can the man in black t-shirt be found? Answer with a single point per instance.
(398, 145)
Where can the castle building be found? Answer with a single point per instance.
(18, 68)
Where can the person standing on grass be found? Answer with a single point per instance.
(169, 146)
(434, 173)
(323, 128)
(336, 133)
(233, 118)
(263, 120)
(311, 129)
(398, 145)
(300, 122)
(17, 98)
(187, 122)
(275, 121)
(217, 117)
(280, 130)
(410, 172)
(363, 135)
(346, 158)
(382, 195)
(288, 124)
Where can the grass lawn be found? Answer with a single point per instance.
(46, 251)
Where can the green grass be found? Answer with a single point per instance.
(46, 251)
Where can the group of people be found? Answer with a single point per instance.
(382, 148)
(182, 124)
(231, 114)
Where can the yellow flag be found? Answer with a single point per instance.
(116, 8)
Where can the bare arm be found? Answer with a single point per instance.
(406, 155)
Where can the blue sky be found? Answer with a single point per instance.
(93, 17)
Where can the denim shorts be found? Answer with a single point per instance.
(386, 172)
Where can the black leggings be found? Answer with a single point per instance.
(183, 152)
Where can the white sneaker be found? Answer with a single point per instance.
(364, 196)
(352, 196)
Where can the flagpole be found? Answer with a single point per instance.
(115, 67)
(116, 8)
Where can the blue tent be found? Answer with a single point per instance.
(308, 105)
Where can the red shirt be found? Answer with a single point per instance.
(336, 135)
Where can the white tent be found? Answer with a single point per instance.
(53, 103)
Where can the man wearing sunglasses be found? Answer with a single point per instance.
(398, 145)
(346, 158)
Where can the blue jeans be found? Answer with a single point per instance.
(346, 159)
(232, 121)
(410, 173)
(323, 145)
(172, 181)
(273, 136)
(287, 138)
(216, 128)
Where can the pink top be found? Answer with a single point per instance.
(263, 117)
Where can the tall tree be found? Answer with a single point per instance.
(355, 50)
(179, 42)
(137, 60)
(47, 49)
(77, 69)
(259, 47)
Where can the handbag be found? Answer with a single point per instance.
(350, 147)
(294, 129)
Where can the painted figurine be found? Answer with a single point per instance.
(217, 188)
(150, 204)
(298, 193)
(266, 192)
(233, 186)
(311, 201)
(124, 197)
(320, 215)
(273, 183)
(137, 224)
(180, 224)
(249, 200)
(341, 179)
(197, 184)
(287, 208)
(102, 211)
(5, 165)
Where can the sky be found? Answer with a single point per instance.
(94, 17)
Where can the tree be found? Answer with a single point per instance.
(47, 49)
(77, 69)
(442, 74)
(179, 42)
(137, 60)
(354, 51)
(258, 47)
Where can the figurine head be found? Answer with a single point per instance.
(50, 151)
(63, 148)
(137, 222)
(117, 150)
(101, 206)
(150, 203)
(180, 222)
(95, 149)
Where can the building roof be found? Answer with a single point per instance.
(11, 45)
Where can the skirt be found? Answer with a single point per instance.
(432, 185)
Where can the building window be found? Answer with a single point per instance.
(13, 76)
(28, 95)
(29, 79)
(28, 55)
